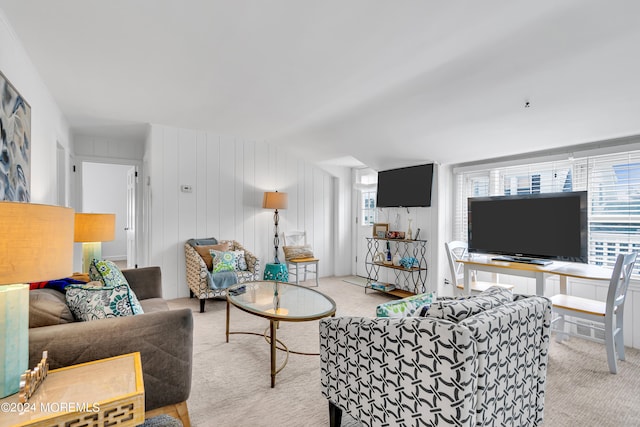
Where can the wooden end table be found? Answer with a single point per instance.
(106, 392)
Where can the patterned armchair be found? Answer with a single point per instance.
(486, 369)
(205, 284)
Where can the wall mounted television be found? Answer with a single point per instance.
(525, 228)
(405, 187)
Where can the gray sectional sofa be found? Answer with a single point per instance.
(163, 337)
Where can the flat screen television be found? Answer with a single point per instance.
(405, 187)
(550, 226)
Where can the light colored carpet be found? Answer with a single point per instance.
(231, 381)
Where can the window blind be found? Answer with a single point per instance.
(612, 182)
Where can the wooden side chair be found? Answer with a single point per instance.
(457, 249)
(298, 254)
(608, 315)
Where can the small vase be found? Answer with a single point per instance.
(396, 259)
(409, 231)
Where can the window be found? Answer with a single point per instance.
(368, 207)
(612, 182)
(366, 182)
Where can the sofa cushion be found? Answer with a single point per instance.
(152, 305)
(405, 307)
(459, 309)
(205, 252)
(48, 307)
(88, 302)
(110, 275)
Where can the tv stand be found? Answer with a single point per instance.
(521, 259)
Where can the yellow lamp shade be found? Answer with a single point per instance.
(275, 200)
(94, 227)
(36, 243)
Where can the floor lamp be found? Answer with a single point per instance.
(36, 245)
(275, 200)
(91, 229)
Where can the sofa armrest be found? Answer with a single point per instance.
(164, 340)
(145, 282)
(390, 371)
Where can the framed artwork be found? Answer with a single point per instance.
(15, 144)
(380, 230)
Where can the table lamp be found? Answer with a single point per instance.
(275, 200)
(36, 245)
(92, 229)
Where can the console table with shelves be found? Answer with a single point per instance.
(408, 281)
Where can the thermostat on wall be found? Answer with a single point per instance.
(186, 188)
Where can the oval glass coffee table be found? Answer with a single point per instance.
(278, 302)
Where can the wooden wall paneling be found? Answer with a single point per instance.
(200, 186)
(263, 217)
(156, 212)
(249, 196)
(307, 222)
(238, 191)
(226, 198)
(187, 202)
(170, 193)
(319, 242)
(213, 196)
(300, 214)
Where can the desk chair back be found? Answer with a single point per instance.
(610, 313)
(456, 250)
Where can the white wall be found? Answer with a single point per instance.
(105, 191)
(48, 125)
(425, 219)
(228, 177)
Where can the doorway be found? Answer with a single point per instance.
(111, 188)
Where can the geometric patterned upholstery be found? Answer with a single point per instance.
(487, 370)
(198, 273)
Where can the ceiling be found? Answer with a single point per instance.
(379, 83)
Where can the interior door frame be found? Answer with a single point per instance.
(77, 169)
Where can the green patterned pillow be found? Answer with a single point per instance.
(224, 261)
(109, 274)
(405, 307)
(88, 302)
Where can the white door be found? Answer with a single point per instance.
(364, 226)
(130, 227)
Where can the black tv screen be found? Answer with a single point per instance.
(406, 187)
(550, 226)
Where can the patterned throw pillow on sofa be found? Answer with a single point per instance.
(109, 274)
(458, 309)
(88, 302)
(223, 261)
(405, 307)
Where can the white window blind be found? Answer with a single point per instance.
(612, 182)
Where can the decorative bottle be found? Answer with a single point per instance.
(409, 230)
(388, 254)
(396, 259)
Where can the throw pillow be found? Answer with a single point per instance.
(48, 307)
(110, 275)
(88, 302)
(459, 309)
(223, 261)
(405, 307)
(297, 252)
(205, 252)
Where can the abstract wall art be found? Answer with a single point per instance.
(15, 143)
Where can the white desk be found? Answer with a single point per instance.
(539, 272)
